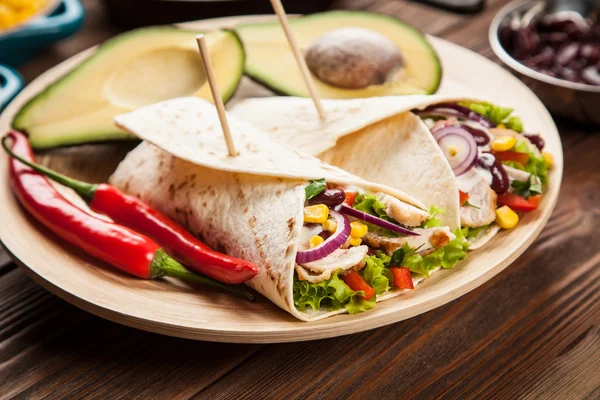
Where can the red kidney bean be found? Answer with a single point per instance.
(329, 197)
(590, 53)
(481, 138)
(500, 180)
(567, 54)
(591, 75)
(536, 140)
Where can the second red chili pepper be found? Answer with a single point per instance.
(131, 212)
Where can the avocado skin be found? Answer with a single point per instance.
(279, 89)
(89, 136)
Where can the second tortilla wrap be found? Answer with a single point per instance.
(249, 206)
(378, 139)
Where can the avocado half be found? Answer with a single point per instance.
(270, 61)
(132, 70)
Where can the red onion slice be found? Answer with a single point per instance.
(376, 220)
(458, 146)
(330, 245)
(454, 110)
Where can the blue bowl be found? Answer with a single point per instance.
(16, 47)
(11, 84)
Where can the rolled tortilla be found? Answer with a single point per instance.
(249, 206)
(377, 138)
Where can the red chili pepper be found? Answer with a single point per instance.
(358, 284)
(402, 278)
(135, 214)
(519, 203)
(463, 198)
(350, 197)
(117, 245)
(510, 155)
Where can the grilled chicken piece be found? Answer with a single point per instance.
(517, 175)
(403, 213)
(343, 259)
(429, 240)
(484, 198)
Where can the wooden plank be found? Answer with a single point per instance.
(50, 348)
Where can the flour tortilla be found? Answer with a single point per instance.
(376, 138)
(250, 206)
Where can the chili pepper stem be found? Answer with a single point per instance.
(84, 189)
(164, 265)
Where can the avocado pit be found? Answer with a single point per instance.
(354, 58)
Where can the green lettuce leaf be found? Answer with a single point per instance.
(314, 188)
(434, 219)
(535, 165)
(472, 233)
(332, 293)
(498, 115)
(369, 203)
(376, 274)
(357, 305)
(446, 257)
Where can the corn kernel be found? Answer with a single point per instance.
(354, 241)
(503, 143)
(358, 229)
(316, 214)
(549, 159)
(315, 241)
(501, 126)
(506, 218)
(330, 225)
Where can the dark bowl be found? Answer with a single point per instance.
(563, 98)
(135, 13)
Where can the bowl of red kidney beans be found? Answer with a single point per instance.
(558, 58)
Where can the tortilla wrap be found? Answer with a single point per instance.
(376, 138)
(249, 206)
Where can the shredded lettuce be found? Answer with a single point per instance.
(332, 293)
(376, 274)
(498, 115)
(434, 219)
(535, 165)
(472, 233)
(314, 188)
(446, 257)
(370, 204)
(335, 294)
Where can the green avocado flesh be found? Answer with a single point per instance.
(135, 69)
(270, 61)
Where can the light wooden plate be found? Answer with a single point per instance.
(174, 308)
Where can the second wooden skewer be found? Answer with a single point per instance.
(216, 93)
(310, 84)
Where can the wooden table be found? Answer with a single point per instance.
(531, 332)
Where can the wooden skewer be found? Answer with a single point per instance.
(310, 84)
(216, 93)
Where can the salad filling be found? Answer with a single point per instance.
(356, 245)
(500, 170)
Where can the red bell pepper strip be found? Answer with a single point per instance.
(463, 198)
(133, 213)
(358, 284)
(510, 155)
(519, 203)
(402, 278)
(117, 245)
(350, 197)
